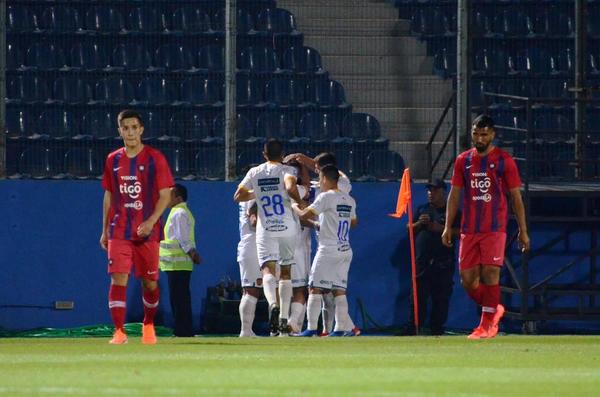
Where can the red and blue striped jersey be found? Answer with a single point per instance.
(486, 181)
(134, 184)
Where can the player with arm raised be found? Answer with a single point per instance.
(486, 175)
(273, 185)
(137, 185)
(329, 271)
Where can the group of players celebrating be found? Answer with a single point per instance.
(279, 208)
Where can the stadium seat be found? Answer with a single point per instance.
(249, 92)
(20, 123)
(444, 63)
(88, 56)
(247, 157)
(156, 91)
(276, 21)
(326, 94)
(14, 57)
(153, 125)
(27, 89)
(258, 60)
(189, 20)
(244, 128)
(361, 127)
(593, 21)
(40, 162)
(131, 57)
(554, 89)
(174, 57)
(211, 58)
(57, 124)
(210, 163)
(384, 165)
(245, 22)
(202, 92)
(146, 20)
(45, 56)
(423, 23)
(114, 91)
(562, 62)
(104, 20)
(60, 20)
(553, 127)
(19, 19)
(302, 60)
(83, 163)
(490, 62)
(553, 22)
(285, 93)
(318, 127)
(191, 127)
(481, 26)
(99, 124)
(275, 125)
(71, 90)
(178, 162)
(530, 62)
(509, 23)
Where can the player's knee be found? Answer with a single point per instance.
(469, 283)
(149, 285)
(315, 291)
(286, 273)
(338, 292)
(119, 279)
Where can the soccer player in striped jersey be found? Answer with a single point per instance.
(485, 175)
(137, 185)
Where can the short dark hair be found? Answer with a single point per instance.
(273, 149)
(180, 191)
(326, 158)
(129, 114)
(296, 164)
(483, 121)
(330, 172)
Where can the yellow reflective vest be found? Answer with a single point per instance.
(172, 256)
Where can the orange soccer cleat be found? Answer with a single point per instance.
(480, 332)
(493, 329)
(119, 337)
(148, 334)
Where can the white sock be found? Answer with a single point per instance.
(328, 312)
(270, 288)
(295, 314)
(285, 298)
(301, 317)
(342, 318)
(247, 310)
(313, 309)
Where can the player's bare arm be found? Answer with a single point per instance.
(242, 194)
(519, 210)
(302, 159)
(292, 189)
(164, 197)
(451, 210)
(353, 223)
(304, 214)
(105, 209)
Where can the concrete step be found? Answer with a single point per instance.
(354, 27)
(369, 45)
(415, 157)
(378, 65)
(329, 9)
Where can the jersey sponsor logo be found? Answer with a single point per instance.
(133, 191)
(128, 177)
(269, 188)
(268, 181)
(483, 185)
(485, 197)
(136, 205)
(341, 208)
(276, 228)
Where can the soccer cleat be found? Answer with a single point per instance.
(493, 328)
(119, 337)
(342, 333)
(274, 319)
(284, 328)
(481, 332)
(308, 333)
(324, 334)
(247, 334)
(148, 334)
(356, 331)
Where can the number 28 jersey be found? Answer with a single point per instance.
(336, 210)
(275, 216)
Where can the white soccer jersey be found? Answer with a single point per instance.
(336, 210)
(275, 217)
(301, 268)
(247, 232)
(344, 185)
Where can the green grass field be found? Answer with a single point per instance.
(507, 366)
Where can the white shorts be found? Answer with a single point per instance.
(279, 249)
(250, 274)
(330, 268)
(301, 268)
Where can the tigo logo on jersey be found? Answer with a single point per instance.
(132, 191)
(483, 185)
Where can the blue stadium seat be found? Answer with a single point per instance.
(361, 127)
(202, 92)
(131, 57)
(249, 92)
(211, 58)
(19, 19)
(114, 91)
(104, 20)
(146, 20)
(422, 23)
(189, 20)
(444, 63)
(60, 20)
(553, 127)
(99, 124)
(490, 62)
(83, 163)
(45, 56)
(27, 89)
(174, 57)
(276, 21)
(478, 88)
(191, 127)
(285, 93)
(481, 25)
(71, 90)
(553, 22)
(20, 123)
(153, 125)
(326, 94)
(302, 60)
(318, 127)
(156, 91)
(554, 89)
(258, 60)
(275, 125)
(88, 56)
(244, 128)
(14, 57)
(593, 64)
(57, 124)
(562, 62)
(245, 22)
(40, 162)
(384, 165)
(593, 21)
(505, 125)
(178, 161)
(246, 158)
(509, 23)
(530, 62)
(210, 163)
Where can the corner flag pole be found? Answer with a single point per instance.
(404, 203)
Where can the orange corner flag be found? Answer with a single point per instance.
(404, 195)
